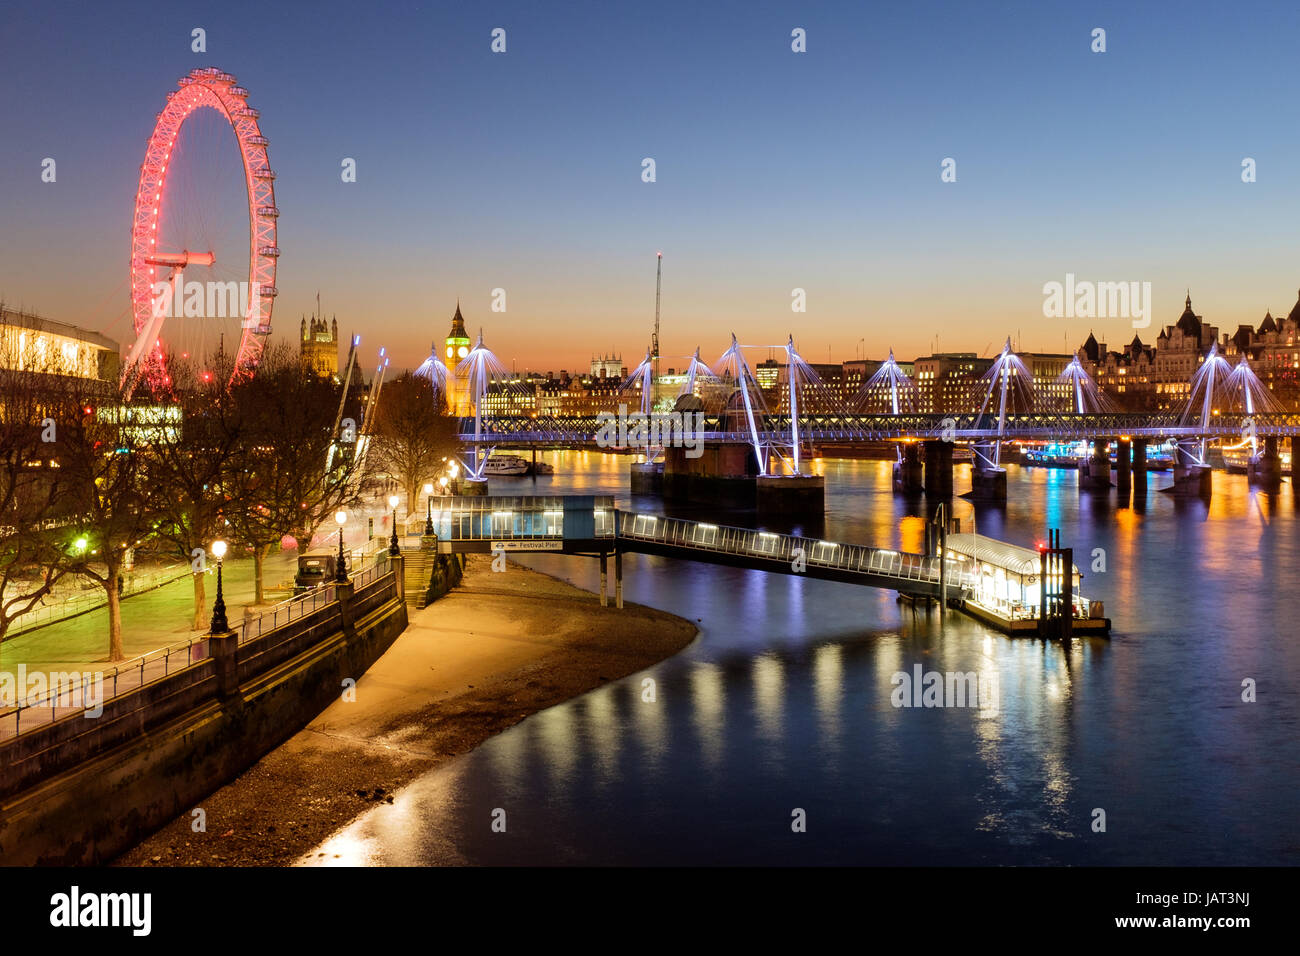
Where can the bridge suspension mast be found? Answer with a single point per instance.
(343, 400)
(791, 357)
(733, 360)
(1008, 364)
(654, 341)
(693, 372)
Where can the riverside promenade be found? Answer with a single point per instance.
(164, 615)
(149, 620)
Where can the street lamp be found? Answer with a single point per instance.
(219, 623)
(428, 518)
(340, 572)
(393, 549)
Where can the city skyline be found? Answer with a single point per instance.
(606, 436)
(816, 170)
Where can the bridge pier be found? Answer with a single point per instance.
(988, 482)
(1124, 467)
(1265, 467)
(726, 474)
(1295, 469)
(1139, 469)
(721, 473)
(604, 579)
(647, 478)
(618, 579)
(1094, 471)
(1191, 478)
(804, 494)
(909, 473)
(938, 469)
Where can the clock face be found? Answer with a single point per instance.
(464, 350)
(450, 351)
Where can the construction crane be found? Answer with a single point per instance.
(360, 435)
(654, 341)
(347, 382)
(368, 419)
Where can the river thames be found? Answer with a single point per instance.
(783, 703)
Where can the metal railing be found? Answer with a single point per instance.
(63, 609)
(831, 555)
(70, 696)
(581, 430)
(278, 615)
(373, 571)
(298, 607)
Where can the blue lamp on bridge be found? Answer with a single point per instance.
(219, 623)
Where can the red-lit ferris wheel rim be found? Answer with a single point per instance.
(207, 87)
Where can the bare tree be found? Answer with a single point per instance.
(196, 463)
(296, 472)
(413, 434)
(33, 525)
(106, 470)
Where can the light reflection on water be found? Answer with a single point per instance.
(784, 702)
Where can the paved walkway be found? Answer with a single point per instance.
(164, 615)
(151, 621)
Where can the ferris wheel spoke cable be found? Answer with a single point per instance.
(204, 91)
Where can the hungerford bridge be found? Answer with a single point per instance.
(723, 407)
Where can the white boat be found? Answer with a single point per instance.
(504, 465)
(1237, 460)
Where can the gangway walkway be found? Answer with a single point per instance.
(580, 524)
(912, 574)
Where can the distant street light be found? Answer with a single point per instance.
(428, 515)
(393, 549)
(219, 623)
(340, 572)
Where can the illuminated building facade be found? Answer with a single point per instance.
(455, 349)
(29, 342)
(608, 366)
(950, 382)
(318, 347)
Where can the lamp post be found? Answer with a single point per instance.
(219, 623)
(340, 572)
(393, 549)
(428, 519)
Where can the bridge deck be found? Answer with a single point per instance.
(912, 574)
(582, 431)
(590, 524)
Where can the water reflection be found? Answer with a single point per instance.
(785, 702)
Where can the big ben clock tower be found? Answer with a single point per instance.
(457, 348)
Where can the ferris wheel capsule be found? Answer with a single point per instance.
(204, 87)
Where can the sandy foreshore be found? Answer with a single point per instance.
(490, 653)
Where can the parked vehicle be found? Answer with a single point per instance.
(314, 569)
